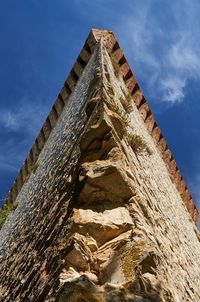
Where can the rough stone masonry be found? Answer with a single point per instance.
(103, 213)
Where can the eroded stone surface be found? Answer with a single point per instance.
(131, 209)
(106, 181)
(103, 223)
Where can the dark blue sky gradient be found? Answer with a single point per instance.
(40, 41)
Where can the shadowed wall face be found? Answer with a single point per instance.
(44, 203)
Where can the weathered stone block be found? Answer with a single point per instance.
(102, 226)
(105, 181)
(53, 117)
(58, 106)
(118, 54)
(124, 69)
(64, 94)
(47, 128)
(130, 84)
(156, 133)
(78, 68)
(85, 55)
(162, 145)
(144, 110)
(150, 122)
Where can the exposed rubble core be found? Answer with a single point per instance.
(100, 219)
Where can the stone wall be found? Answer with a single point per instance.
(132, 238)
(114, 49)
(31, 248)
(100, 218)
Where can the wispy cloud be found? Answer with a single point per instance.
(26, 116)
(163, 52)
(19, 125)
(172, 88)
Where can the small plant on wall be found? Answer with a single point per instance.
(137, 143)
(33, 168)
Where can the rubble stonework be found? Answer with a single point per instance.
(105, 215)
(138, 98)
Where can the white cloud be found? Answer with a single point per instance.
(165, 56)
(26, 116)
(160, 38)
(24, 121)
(172, 89)
(183, 55)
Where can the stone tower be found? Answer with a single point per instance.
(103, 213)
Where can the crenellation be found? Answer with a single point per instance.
(78, 68)
(172, 167)
(190, 206)
(30, 157)
(116, 47)
(167, 156)
(177, 178)
(185, 195)
(118, 54)
(128, 76)
(19, 180)
(26, 166)
(196, 215)
(29, 161)
(35, 150)
(181, 186)
(90, 43)
(150, 122)
(14, 191)
(144, 110)
(65, 93)
(156, 134)
(138, 98)
(71, 81)
(122, 60)
(136, 88)
(81, 62)
(24, 174)
(85, 55)
(162, 145)
(62, 102)
(130, 84)
(9, 200)
(53, 116)
(40, 140)
(124, 70)
(59, 104)
(187, 198)
(47, 128)
(74, 75)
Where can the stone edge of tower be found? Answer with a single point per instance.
(113, 48)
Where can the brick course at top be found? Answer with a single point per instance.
(124, 69)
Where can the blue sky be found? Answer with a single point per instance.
(40, 40)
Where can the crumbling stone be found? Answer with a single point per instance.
(96, 221)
